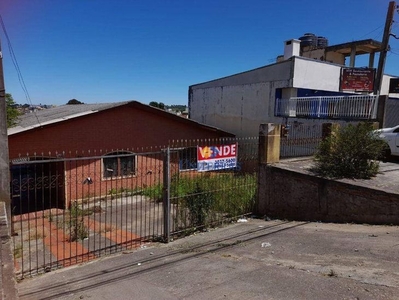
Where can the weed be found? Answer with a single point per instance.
(36, 235)
(332, 273)
(77, 230)
(76, 211)
(18, 250)
(202, 197)
(107, 228)
(50, 218)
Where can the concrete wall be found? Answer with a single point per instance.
(240, 102)
(312, 74)
(289, 194)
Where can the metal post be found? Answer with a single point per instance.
(166, 195)
(4, 158)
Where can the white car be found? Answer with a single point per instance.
(391, 137)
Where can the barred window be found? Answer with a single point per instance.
(119, 164)
(188, 159)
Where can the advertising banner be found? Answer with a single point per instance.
(212, 158)
(357, 79)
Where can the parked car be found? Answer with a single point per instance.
(391, 137)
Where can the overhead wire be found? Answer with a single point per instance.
(16, 65)
(374, 30)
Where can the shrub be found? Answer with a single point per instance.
(199, 205)
(349, 152)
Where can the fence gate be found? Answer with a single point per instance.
(80, 206)
(302, 139)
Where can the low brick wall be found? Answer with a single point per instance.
(295, 195)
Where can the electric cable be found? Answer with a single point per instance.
(16, 65)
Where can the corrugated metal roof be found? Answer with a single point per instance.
(65, 112)
(58, 114)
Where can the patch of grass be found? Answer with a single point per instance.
(18, 250)
(107, 228)
(201, 197)
(36, 235)
(115, 193)
(154, 192)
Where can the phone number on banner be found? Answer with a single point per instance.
(217, 164)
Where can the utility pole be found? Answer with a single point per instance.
(8, 285)
(4, 158)
(384, 48)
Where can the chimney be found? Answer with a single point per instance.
(291, 48)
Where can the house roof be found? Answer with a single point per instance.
(62, 113)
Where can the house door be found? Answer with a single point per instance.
(37, 186)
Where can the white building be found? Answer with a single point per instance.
(240, 102)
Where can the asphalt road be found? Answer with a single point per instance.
(257, 259)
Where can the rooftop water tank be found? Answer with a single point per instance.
(322, 42)
(308, 39)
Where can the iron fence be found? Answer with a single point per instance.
(356, 107)
(302, 139)
(69, 208)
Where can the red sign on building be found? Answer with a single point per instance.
(357, 79)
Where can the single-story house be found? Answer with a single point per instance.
(76, 152)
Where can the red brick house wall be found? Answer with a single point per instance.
(132, 127)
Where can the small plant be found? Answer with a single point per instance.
(36, 235)
(332, 273)
(77, 211)
(77, 230)
(50, 218)
(75, 224)
(18, 250)
(155, 192)
(107, 228)
(199, 204)
(349, 152)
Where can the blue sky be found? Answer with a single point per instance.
(117, 50)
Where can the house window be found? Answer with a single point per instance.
(188, 159)
(119, 164)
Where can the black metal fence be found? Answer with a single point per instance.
(69, 208)
(302, 139)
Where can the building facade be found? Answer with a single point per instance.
(240, 102)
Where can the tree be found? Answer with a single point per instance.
(12, 112)
(74, 101)
(158, 105)
(349, 152)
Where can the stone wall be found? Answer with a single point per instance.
(296, 195)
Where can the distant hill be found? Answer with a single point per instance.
(180, 108)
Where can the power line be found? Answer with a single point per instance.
(367, 34)
(16, 65)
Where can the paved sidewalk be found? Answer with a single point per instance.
(250, 260)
